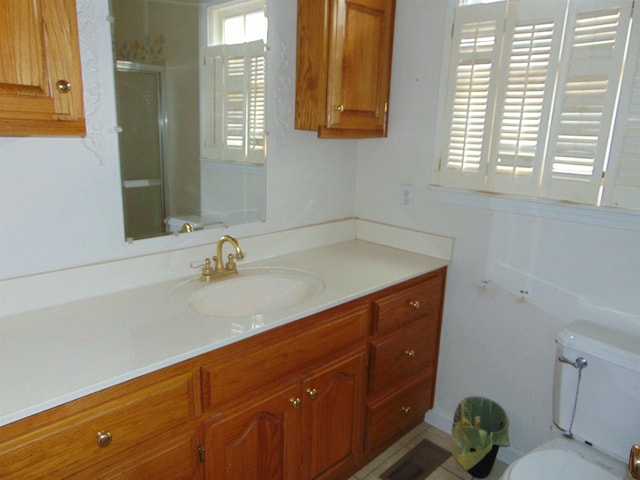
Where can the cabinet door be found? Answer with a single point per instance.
(333, 402)
(40, 76)
(259, 440)
(360, 65)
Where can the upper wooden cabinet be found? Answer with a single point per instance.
(344, 67)
(40, 72)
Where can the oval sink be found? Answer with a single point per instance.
(253, 291)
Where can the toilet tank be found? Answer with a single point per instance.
(607, 414)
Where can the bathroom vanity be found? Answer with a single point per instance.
(313, 397)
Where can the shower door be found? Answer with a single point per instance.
(141, 119)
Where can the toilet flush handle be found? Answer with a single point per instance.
(580, 362)
(634, 462)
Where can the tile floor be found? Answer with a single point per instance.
(449, 470)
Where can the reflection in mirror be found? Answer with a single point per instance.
(190, 88)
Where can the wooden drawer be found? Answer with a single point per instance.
(401, 354)
(392, 415)
(66, 446)
(237, 370)
(175, 459)
(421, 300)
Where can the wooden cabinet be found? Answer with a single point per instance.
(343, 68)
(333, 402)
(172, 456)
(404, 356)
(40, 72)
(309, 428)
(288, 404)
(100, 431)
(257, 439)
(313, 399)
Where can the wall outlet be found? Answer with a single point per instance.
(407, 196)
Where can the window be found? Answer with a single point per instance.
(234, 77)
(543, 100)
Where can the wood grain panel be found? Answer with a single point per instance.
(400, 308)
(70, 444)
(244, 367)
(406, 352)
(39, 47)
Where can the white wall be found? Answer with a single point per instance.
(60, 202)
(496, 342)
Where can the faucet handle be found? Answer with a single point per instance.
(231, 264)
(197, 264)
(207, 271)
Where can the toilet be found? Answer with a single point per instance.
(600, 368)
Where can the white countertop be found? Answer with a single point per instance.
(54, 355)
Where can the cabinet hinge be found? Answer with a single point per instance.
(201, 454)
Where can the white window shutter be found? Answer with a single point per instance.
(256, 127)
(235, 103)
(622, 179)
(213, 99)
(235, 117)
(528, 70)
(589, 75)
(473, 69)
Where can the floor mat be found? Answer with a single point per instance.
(418, 463)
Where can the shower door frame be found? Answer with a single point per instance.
(122, 66)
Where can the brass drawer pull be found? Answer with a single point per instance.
(340, 108)
(410, 353)
(104, 439)
(415, 304)
(313, 393)
(63, 86)
(406, 410)
(296, 402)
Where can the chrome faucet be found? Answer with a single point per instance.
(221, 269)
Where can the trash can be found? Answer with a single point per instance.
(480, 427)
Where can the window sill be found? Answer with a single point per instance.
(239, 167)
(586, 214)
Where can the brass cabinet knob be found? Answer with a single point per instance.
(410, 353)
(415, 304)
(634, 462)
(104, 439)
(296, 402)
(406, 410)
(313, 393)
(63, 86)
(340, 108)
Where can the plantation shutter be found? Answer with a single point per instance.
(528, 67)
(622, 180)
(473, 69)
(256, 132)
(587, 87)
(235, 103)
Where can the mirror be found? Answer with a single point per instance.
(190, 87)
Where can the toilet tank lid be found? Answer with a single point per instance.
(615, 346)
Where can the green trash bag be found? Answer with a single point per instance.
(478, 425)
